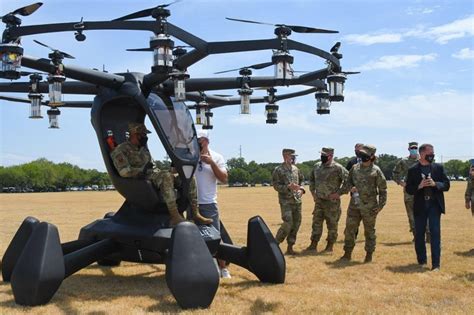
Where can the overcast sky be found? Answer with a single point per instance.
(416, 59)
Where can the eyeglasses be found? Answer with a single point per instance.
(200, 166)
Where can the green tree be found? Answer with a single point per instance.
(387, 162)
(238, 175)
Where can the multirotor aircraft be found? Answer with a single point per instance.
(36, 262)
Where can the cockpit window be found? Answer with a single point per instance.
(176, 122)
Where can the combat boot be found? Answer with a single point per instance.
(175, 216)
(289, 250)
(368, 257)
(198, 218)
(347, 255)
(329, 247)
(313, 246)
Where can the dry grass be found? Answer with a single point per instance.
(314, 283)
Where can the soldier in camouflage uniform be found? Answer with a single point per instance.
(365, 181)
(132, 159)
(399, 174)
(469, 195)
(287, 181)
(325, 183)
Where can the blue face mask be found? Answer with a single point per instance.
(413, 152)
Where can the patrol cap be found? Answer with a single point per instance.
(412, 144)
(288, 151)
(201, 133)
(327, 151)
(368, 149)
(137, 128)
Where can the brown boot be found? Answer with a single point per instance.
(313, 246)
(198, 218)
(368, 257)
(290, 251)
(347, 255)
(329, 247)
(175, 216)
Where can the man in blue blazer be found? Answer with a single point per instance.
(427, 182)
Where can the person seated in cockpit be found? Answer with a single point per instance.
(133, 159)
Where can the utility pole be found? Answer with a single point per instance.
(240, 151)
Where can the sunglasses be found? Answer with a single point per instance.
(200, 166)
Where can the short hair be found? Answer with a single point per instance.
(424, 146)
(358, 144)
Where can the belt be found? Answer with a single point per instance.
(427, 198)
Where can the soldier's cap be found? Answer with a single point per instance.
(137, 128)
(368, 149)
(413, 145)
(202, 133)
(327, 151)
(288, 151)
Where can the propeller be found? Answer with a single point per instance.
(144, 13)
(336, 47)
(295, 28)
(27, 10)
(344, 72)
(19, 100)
(62, 53)
(151, 49)
(255, 67)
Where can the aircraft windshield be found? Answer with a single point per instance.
(176, 123)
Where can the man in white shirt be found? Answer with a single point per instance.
(211, 168)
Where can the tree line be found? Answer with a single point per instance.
(44, 175)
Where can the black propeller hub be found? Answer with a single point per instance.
(245, 72)
(160, 13)
(11, 20)
(282, 31)
(56, 57)
(178, 52)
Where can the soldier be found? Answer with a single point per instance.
(365, 181)
(399, 175)
(325, 183)
(288, 180)
(132, 159)
(469, 195)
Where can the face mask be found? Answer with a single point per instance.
(413, 151)
(293, 159)
(143, 140)
(429, 158)
(358, 154)
(324, 159)
(365, 158)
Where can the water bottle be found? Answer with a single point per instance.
(356, 197)
(111, 140)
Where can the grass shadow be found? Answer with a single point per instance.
(397, 243)
(339, 264)
(259, 306)
(467, 277)
(410, 268)
(469, 253)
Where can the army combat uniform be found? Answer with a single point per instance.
(134, 161)
(399, 175)
(290, 202)
(370, 183)
(469, 195)
(323, 181)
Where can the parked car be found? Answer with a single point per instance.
(265, 184)
(95, 187)
(110, 187)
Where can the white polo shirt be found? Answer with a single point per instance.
(206, 180)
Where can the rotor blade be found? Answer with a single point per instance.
(261, 65)
(140, 49)
(336, 47)
(66, 55)
(225, 71)
(15, 99)
(222, 95)
(168, 4)
(248, 21)
(136, 15)
(305, 29)
(351, 72)
(25, 11)
(40, 43)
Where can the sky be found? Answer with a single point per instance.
(416, 84)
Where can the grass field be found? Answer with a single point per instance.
(315, 283)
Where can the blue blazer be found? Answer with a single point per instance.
(414, 179)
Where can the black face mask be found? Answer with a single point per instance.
(143, 141)
(200, 146)
(365, 158)
(324, 159)
(429, 158)
(358, 154)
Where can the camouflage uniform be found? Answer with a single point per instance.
(399, 175)
(469, 195)
(370, 182)
(323, 181)
(290, 202)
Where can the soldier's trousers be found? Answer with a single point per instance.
(291, 216)
(368, 218)
(166, 182)
(409, 199)
(329, 210)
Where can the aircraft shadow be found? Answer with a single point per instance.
(396, 244)
(469, 253)
(340, 264)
